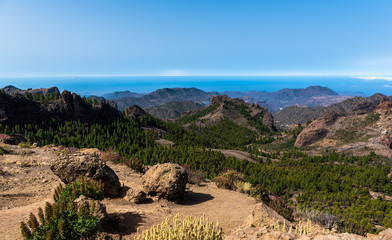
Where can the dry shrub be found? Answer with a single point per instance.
(224, 182)
(325, 219)
(189, 228)
(66, 150)
(24, 145)
(109, 155)
(282, 208)
(229, 180)
(243, 187)
(260, 192)
(136, 165)
(196, 176)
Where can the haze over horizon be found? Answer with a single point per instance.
(176, 38)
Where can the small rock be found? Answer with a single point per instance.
(135, 195)
(100, 209)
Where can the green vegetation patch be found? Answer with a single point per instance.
(332, 183)
(194, 117)
(372, 117)
(64, 219)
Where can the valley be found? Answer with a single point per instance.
(234, 156)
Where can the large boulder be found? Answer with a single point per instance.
(166, 180)
(69, 167)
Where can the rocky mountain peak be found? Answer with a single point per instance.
(135, 112)
(220, 99)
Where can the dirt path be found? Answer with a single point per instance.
(228, 207)
(241, 155)
(27, 183)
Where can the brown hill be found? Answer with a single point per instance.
(165, 95)
(302, 114)
(357, 134)
(172, 110)
(235, 110)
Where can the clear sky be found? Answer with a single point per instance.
(195, 37)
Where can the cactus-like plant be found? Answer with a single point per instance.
(189, 228)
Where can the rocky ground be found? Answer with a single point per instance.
(26, 183)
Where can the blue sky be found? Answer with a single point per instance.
(199, 37)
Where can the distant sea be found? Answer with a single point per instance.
(101, 85)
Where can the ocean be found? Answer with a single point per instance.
(142, 84)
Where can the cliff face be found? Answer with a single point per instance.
(15, 109)
(316, 130)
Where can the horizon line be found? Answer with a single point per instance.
(364, 76)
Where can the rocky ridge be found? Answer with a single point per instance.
(15, 108)
(237, 111)
(300, 114)
(356, 134)
(42, 91)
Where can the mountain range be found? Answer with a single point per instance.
(313, 96)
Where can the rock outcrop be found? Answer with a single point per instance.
(262, 223)
(69, 167)
(15, 108)
(71, 107)
(135, 112)
(316, 130)
(166, 180)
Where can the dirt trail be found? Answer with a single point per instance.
(27, 183)
(240, 155)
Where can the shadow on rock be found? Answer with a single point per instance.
(122, 223)
(193, 198)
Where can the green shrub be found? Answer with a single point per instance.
(372, 117)
(260, 192)
(88, 188)
(61, 221)
(64, 219)
(24, 145)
